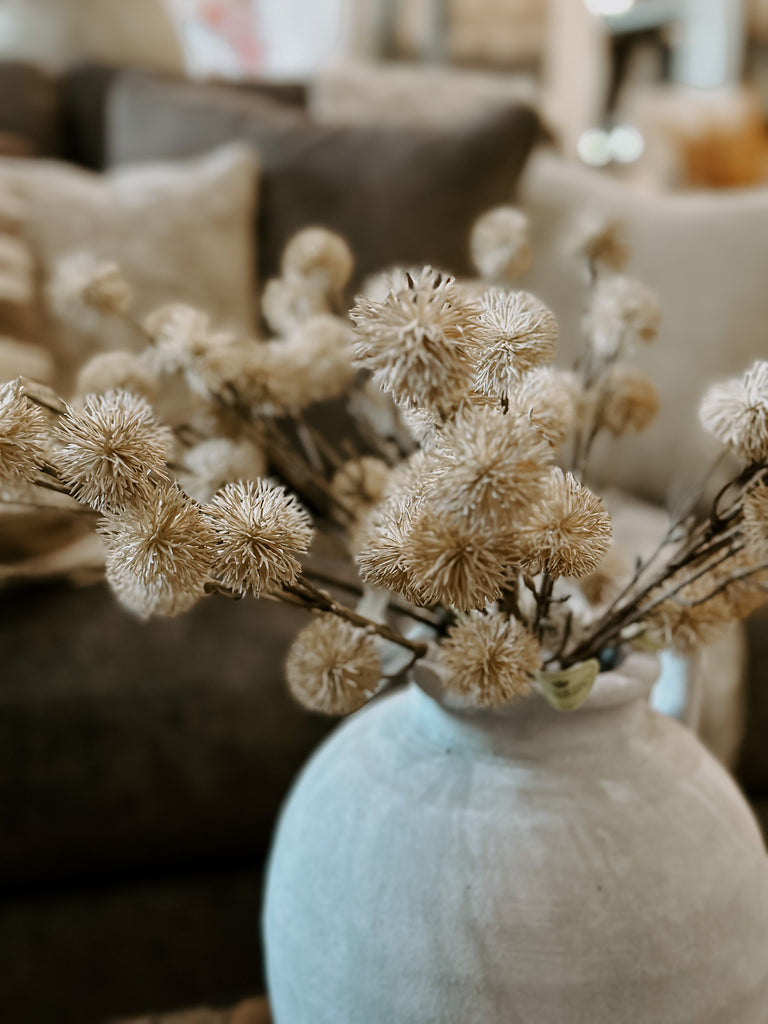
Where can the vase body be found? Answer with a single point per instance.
(528, 867)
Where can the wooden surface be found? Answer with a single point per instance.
(252, 1011)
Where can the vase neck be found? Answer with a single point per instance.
(532, 726)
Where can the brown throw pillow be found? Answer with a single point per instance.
(397, 195)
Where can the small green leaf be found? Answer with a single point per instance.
(567, 689)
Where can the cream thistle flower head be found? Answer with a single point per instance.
(622, 313)
(628, 400)
(332, 667)
(81, 279)
(488, 467)
(260, 530)
(736, 412)
(287, 302)
(158, 553)
(23, 435)
(499, 244)
(316, 362)
(219, 461)
(454, 563)
(108, 448)
(116, 371)
(601, 240)
(548, 398)
(415, 342)
(569, 530)
(180, 334)
(320, 257)
(381, 547)
(489, 659)
(514, 332)
(360, 483)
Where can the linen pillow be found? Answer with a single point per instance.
(396, 195)
(704, 254)
(180, 232)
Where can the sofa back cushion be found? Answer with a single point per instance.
(704, 254)
(398, 196)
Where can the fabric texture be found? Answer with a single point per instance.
(397, 196)
(411, 95)
(180, 232)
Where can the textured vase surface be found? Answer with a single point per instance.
(521, 866)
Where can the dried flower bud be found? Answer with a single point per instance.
(108, 448)
(80, 280)
(315, 363)
(260, 530)
(381, 544)
(601, 240)
(320, 257)
(515, 333)
(489, 659)
(736, 412)
(489, 466)
(220, 461)
(158, 553)
(548, 398)
(116, 371)
(568, 532)
(415, 342)
(181, 335)
(499, 244)
(288, 302)
(23, 435)
(360, 483)
(453, 563)
(622, 313)
(332, 666)
(627, 400)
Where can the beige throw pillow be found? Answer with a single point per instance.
(705, 254)
(180, 231)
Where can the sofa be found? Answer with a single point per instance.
(141, 787)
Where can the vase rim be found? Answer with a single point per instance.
(632, 679)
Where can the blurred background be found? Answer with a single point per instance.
(142, 766)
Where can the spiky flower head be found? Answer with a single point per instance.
(109, 447)
(685, 624)
(548, 398)
(288, 302)
(499, 244)
(182, 337)
(332, 667)
(454, 563)
(601, 240)
(736, 412)
(381, 546)
(515, 332)
(81, 279)
(627, 400)
(569, 530)
(260, 531)
(321, 258)
(23, 434)
(158, 553)
(488, 465)
(756, 521)
(360, 483)
(622, 313)
(415, 342)
(316, 362)
(111, 371)
(489, 659)
(218, 461)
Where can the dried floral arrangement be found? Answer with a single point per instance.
(463, 502)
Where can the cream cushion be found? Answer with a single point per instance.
(180, 231)
(705, 254)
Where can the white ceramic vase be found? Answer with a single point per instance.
(522, 866)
